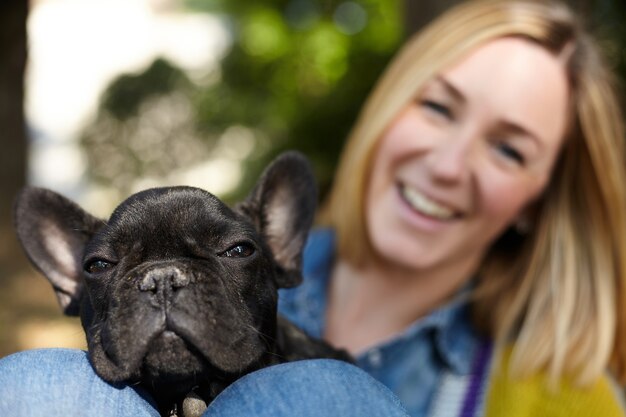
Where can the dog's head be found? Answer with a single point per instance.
(175, 283)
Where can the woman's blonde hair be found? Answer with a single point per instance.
(558, 292)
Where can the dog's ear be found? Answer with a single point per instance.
(53, 232)
(282, 207)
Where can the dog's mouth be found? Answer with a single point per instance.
(164, 358)
(230, 348)
(169, 357)
(170, 335)
(174, 349)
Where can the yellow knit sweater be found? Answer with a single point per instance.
(532, 397)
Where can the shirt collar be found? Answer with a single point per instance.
(455, 338)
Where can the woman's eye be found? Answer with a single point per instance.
(510, 152)
(437, 107)
(240, 250)
(98, 266)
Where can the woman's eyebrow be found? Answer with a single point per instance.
(520, 130)
(451, 89)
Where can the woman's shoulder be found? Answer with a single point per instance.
(536, 396)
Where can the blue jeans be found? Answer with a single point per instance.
(61, 382)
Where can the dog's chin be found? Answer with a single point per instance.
(170, 359)
(165, 359)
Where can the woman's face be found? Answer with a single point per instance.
(460, 163)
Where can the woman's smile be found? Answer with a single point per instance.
(424, 205)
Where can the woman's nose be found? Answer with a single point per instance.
(450, 159)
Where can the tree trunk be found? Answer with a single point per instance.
(418, 13)
(13, 138)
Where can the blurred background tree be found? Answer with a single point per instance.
(295, 77)
(13, 156)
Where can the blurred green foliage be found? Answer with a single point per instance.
(144, 127)
(607, 21)
(296, 75)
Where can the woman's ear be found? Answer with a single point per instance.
(525, 221)
(522, 224)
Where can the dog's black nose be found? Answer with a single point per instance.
(163, 278)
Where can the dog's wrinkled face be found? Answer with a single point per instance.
(176, 285)
(176, 282)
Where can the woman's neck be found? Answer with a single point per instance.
(372, 303)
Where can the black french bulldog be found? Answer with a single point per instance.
(177, 291)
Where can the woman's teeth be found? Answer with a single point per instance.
(424, 205)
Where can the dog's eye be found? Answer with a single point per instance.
(240, 250)
(97, 266)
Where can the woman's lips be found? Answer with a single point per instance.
(426, 206)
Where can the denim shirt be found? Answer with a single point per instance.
(411, 364)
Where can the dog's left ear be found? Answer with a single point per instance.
(282, 207)
(53, 232)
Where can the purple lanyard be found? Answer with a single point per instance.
(480, 367)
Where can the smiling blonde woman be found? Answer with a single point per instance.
(551, 285)
(558, 290)
(474, 257)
